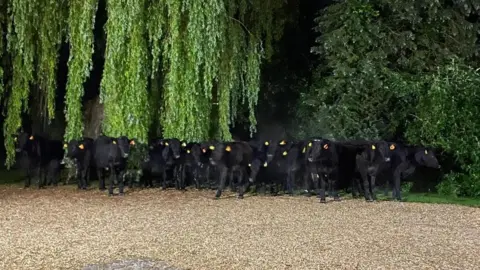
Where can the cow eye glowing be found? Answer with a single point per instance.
(325, 146)
(373, 147)
(392, 147)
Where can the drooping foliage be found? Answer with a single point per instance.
(386, 67)
(125, 77)
(81, 21)
(35, 31)
(21, 45)
(191, 67)
(52, 28)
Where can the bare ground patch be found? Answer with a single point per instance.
(62, 228)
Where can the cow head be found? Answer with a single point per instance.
(74, 148)
(174, 145)
(381, 150)
(23, 141)
(195, 151)
(277, 148)
(123, 145)
(426, 157)
(319, 149)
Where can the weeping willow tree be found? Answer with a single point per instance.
(35, 32)
(207, 54)
(81, 21)
(188, 66)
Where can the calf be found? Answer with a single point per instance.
(370, 162)
(260, 160)
(81, 152)
(111, 155)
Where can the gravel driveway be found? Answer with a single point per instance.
(63, 228)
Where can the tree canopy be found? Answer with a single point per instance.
(179, 64)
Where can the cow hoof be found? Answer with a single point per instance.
(323, 201)
(216, 198)
(337, 199)
(369, 200)
(121, 194)
(102, 189)
(110, 194)
(240, 197)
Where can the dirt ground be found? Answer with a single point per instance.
(62, 228)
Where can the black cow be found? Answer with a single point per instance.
(81, 152)
(404, 161)
(31, 147)
(111, 155)
(192, 162)
(370, 162)
(174, 161)
(156, 165)
(260, 161)
(324, 154)
(232, 157)
(42, 158)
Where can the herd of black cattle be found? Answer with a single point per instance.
(318, 164)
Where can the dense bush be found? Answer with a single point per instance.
(387, 72)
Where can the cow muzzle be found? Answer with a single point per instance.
(177, 156)
(310, 159)
(125, 155)
(387, 159)
(18, 150)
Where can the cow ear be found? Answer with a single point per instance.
(373, 147)
(228, 148)
(81, 146)
(31, 138)
(114, 142)
(285, 153)
(184, 144)
(267, 143)
(65, 146)
(132, 142)
(166, 143)
(309, 144)
(392, 147)
(325, 146)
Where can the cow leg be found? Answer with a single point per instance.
(101, 179)
(195, 177)
(366, 187)
(241, 185)
(396, 186)
(223, 171)
(121, 182)
(112, 178)
(290, 181)
(372, 187)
